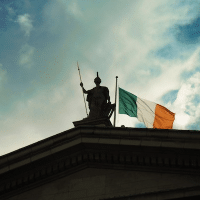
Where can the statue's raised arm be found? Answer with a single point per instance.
(85, 91)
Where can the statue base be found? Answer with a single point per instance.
(93, 122)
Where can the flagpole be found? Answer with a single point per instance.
(115, 101)
(82, 90)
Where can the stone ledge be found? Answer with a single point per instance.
(158, 145)
(108, 136)
(189, 139)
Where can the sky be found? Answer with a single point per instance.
(152, 46)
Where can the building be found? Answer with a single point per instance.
(93, 163)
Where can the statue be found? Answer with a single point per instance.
(98, 99)
(99, 104)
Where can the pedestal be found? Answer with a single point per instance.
(93, 122)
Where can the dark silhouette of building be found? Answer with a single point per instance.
(93, 163)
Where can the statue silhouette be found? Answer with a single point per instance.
(98, 99)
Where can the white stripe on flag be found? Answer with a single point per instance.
(146, 112)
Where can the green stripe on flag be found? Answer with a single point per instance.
(127, 103)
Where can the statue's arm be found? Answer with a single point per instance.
(108, 97)
(107, 93)
(85, 91)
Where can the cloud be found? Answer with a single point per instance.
(25, 23)
(170, 78)
(187, 103)
(74, 9)
(10, 10)
(50, 111)
(26, 55)
(125, 43)
(150, 29)
(180, 94)
(115, 41)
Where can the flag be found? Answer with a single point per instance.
(151, 114)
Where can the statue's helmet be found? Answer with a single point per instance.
(97, 79)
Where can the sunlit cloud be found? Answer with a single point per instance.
(187, 103)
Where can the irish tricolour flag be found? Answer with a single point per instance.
(153, 115)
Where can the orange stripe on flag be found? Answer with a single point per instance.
(164, 118)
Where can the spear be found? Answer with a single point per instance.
(82, 90)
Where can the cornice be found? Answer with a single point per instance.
(180, 139)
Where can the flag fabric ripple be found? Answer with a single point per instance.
(151, 114)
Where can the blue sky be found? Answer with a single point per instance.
(152, 47)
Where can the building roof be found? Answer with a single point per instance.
(141, 137)
(110, 147)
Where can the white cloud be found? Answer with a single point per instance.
(25, 23)
(170, 78)
(134, 35)
(185, 106)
